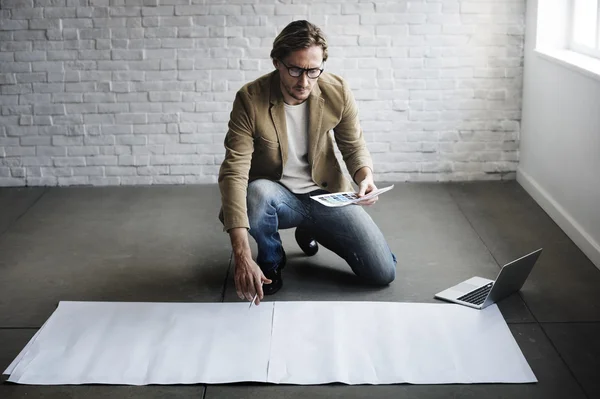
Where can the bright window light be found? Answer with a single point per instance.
(586, 27)
(585, 22)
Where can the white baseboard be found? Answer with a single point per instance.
(561, 216)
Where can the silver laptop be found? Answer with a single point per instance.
(480, 293)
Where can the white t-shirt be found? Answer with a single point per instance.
(296, 171)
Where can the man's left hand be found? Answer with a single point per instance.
(365, 187)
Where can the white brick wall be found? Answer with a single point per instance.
(109, 92)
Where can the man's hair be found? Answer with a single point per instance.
(298, 35)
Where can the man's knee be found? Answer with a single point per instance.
(377, 273)
(385, 276)
(384, 273)
(262, 198)
(260, 193)
(259, 190)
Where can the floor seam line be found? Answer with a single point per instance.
(224, 290)
(472, 227)
(489, 250)
(20, 328)
(570, 322)
(564, 361)
(11, 224)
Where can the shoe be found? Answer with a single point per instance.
(275, 276)
(306, 242)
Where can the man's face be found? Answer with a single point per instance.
(297, 89)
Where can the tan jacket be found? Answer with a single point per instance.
(256, 143)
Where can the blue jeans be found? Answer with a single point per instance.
(348, 231)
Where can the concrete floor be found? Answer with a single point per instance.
(166, 244)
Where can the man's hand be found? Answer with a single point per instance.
(366, 185)
(247, 275)
(249, 279)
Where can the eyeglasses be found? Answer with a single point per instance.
(296, 72)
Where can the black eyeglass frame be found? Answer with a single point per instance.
(303, 70)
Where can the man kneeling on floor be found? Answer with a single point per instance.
(279, 153)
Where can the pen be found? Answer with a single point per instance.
(254, 299)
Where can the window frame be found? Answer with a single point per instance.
(578, 47)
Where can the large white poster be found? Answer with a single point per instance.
(276, 342)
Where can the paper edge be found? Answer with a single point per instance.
(13, 365)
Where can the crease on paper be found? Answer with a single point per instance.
(270, 342)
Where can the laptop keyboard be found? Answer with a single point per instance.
(478, 296)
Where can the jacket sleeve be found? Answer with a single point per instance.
(234, 171)
(349, 135)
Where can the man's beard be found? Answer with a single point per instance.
(298, 96)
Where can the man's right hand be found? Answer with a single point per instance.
(247, 275)
(249, 279)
